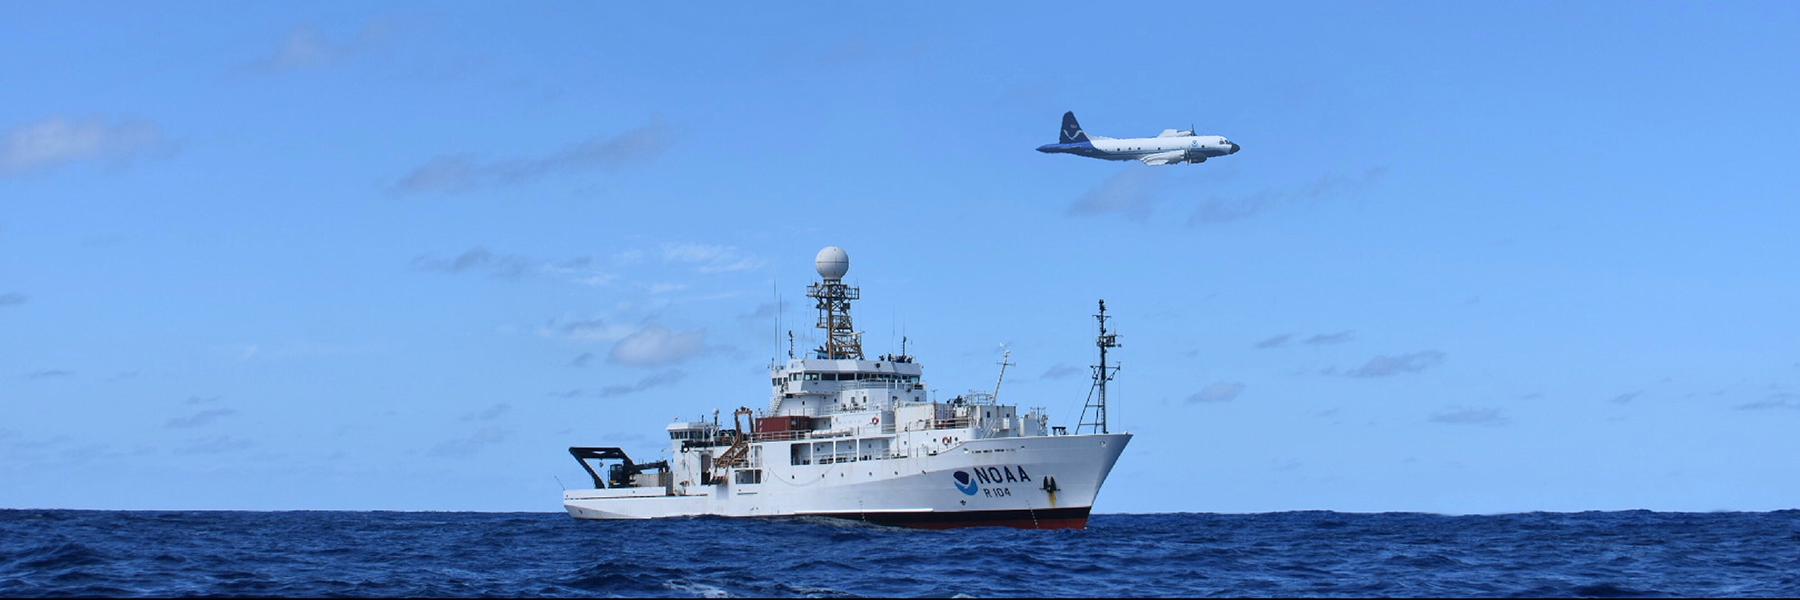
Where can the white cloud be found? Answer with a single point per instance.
(90, 452)
(1274, 342)
(1331, 338)
(1383, 366)
(1320, 339)
(472, 258)
(462, 172)
(1220, 210)
(763, 312)
(513, 267)
(596, 329)
(1131, 192)
(305, 47)
(1470, 416)
(660, 379)
(689, 252)
(1777, 400)
(488, 414)
(57, 140)
(215, 445)
(199, 418)
(463, 447)
(1223, 391)
(656, 346)
(708, 258)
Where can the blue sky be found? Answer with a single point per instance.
(1472, 259)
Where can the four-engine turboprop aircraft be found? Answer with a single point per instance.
(1170, 148)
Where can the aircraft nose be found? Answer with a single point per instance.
(1235, 147)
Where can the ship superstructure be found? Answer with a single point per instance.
(850, 436)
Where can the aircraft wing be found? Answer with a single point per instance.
(1165, 158)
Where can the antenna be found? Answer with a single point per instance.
(1102, 374)
(842, 340)
(775, 288)
(790, 343)
(1003, 366)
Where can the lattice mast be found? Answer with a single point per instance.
(842, 341)
(1102, 374)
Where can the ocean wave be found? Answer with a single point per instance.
(1305, 553)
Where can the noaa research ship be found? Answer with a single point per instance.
(855, 437)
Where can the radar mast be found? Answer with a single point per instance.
(842, 341)
(1102, 374)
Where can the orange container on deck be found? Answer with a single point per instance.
(778, 424)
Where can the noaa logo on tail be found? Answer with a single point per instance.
(965, 483)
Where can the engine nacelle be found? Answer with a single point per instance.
(1194, 157)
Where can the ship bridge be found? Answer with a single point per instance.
(815, 387)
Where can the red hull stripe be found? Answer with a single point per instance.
(1051, 518)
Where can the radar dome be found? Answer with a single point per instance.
(832, 262)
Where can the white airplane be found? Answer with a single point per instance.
(1171, 148)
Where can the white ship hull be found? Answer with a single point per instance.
(1037, 482)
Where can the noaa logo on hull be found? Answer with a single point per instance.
(965, 483)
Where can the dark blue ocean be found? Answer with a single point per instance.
(1594, 554)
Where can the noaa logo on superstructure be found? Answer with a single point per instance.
(965, 483)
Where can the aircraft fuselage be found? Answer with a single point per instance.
(1138, 148)
(1171, 148)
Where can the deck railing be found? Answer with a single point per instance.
(796, 434)
(886, 428)
(954, 423)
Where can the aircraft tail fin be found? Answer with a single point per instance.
(1071, 130)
